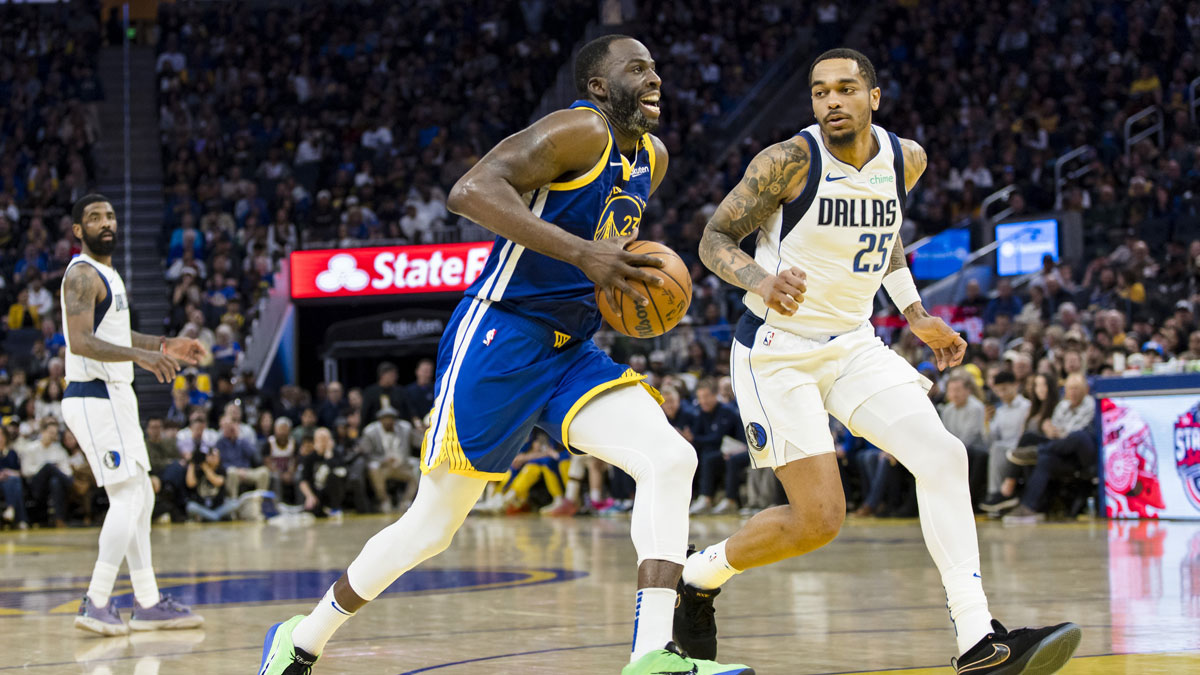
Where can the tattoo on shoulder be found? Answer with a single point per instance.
(79, 291)
(768, 179)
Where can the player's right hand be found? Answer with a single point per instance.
(164, 366)
(611, 268)
(783, 292)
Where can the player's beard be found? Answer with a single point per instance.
(627, 113)
(99, 245)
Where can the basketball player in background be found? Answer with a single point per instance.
(827, 205)
(100, 408)
(565, 197)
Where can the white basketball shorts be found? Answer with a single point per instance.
(104, 418)
(787, 385)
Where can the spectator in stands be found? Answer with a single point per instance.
(1068, 445)
(333, 407)
(678, 417)
(308, 423)
(240, 459)
(386, 445)
(23, 314)
(1005, 303)
(712, 425)
(11, 485)
(279, 455)
(207, 498)
(420, 393)
(53, 339)
(47, 468)
(226, 350)
(178, 412)
(385, 393)
(196, 437)
(1006, 425)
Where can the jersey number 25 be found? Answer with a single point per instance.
(873, 244)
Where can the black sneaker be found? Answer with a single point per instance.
(1024, 651)
(997, 502)
(695, 626)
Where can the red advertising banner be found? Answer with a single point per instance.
(386, 270)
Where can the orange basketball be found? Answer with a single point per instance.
(668, 303)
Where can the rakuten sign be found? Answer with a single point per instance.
(386, 270)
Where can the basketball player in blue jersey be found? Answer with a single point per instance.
(101, 410)
(827, 205)
(565, 196)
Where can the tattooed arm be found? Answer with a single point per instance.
(82, 288)
(948, 346)
(776, 175)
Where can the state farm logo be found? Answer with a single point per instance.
(387, 270)
(343, 272)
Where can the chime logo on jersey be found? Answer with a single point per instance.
(1187, 453)
(857, 212)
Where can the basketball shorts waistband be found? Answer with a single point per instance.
(747, 328)
(89, 389)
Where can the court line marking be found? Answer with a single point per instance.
(393, 637)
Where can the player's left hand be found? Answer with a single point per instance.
(948, 346)
(188, 350)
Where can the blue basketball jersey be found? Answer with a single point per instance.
(605, 202)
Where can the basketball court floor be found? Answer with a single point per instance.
(535, 595)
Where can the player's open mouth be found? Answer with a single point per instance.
(650, 103)
(838, 121)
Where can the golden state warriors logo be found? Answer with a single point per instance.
(622, 214)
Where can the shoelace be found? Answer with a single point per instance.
(170, 603)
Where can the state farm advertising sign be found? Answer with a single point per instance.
(386, 270)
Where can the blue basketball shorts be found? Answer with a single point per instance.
(499, 375)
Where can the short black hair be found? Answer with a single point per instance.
(84, 202)
(590, 60)
(864, 64)
(1004, 377)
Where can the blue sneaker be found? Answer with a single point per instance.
(103, 620)
(167, 613)
(280, 656)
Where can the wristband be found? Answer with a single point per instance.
(901, 288)
(162, 344)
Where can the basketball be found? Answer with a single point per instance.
(668, 303)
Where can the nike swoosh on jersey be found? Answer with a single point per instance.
(1000, 654)
(829, 178)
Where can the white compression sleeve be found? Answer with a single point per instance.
(626, 428)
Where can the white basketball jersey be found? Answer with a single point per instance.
(840, 231)
(110, 323)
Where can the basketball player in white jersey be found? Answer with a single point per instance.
(827, 205)
(100, 408)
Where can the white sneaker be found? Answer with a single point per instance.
(700, 506)
(9, 514)
(725, 506)
(386, 506)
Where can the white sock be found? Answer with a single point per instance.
(652, 620)
(596, 495)
(314, 631)
(573, 491)
(709, 568)
(104, 577)
(145, 587)
(968, 607)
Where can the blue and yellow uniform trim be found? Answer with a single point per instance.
(517, 353)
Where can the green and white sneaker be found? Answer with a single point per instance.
(670, 660)
(280, 656)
